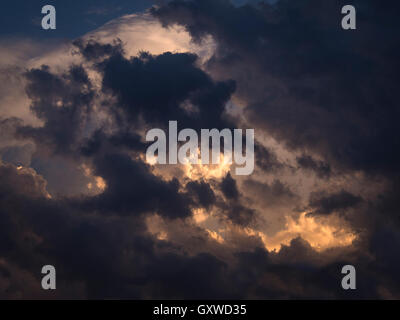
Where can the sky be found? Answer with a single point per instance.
(76, 189)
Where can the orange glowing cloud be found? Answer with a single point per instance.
(321, 235)
(97, 182)
(207, 171)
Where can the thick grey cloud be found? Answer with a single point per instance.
(325, 204)
(321, 169)
(314, 88)
(63, 103)
(229, 187)
(202, 192)
(308, 82)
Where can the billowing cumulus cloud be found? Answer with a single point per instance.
(77, 192)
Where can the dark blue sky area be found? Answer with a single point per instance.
(74, 17)
(22, 18)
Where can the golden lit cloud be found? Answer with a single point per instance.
(202, 171)
(97, 182)
(216, 236)
(199, 215)
(197, 170)
(321, 235)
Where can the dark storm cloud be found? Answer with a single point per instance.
(17, 155)
(100, 142)
(104, 257)
(297, 271)
(234, 207)
(95, 257)
(229, 187)
(100, 244)
(240, 214)
(266, 159)
(152, 87)
(21, 182)
(132, 188)
(64, 177)
(270, 195)
(321, 203)
(8, 128)
(174, 275)
(317, 89)
(202, 192)
(315, 85)
(385, 208)
(43, 231)
(92, 50)
(385, 243)
(114, 257)
(321, 168)
(63, 103)
(155, 87)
